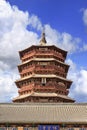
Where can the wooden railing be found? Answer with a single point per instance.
(49, 86)
(26, 88)
(44, 53)
(32, 53)
(50, 53)
(28, 69)
(48, 69)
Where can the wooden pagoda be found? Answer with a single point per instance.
(43, 73)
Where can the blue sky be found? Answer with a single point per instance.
(62, 15)
(21, 23)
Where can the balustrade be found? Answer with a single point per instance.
(44, 69)
(50, 70)
(41, 52)
(60, 54)
(27, 55)
(52, 53)
(31, 69)
(26, 88)
(51, 85)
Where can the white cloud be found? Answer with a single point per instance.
(85, 47)
(69, 43)
(52, 35)
(7, 86)
(79, 78)
(13, 37)
(81, 86)
(85, 16)
(63, 40)
(13, 33)
(72, 65)
(35, 22)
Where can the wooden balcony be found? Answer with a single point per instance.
(26, 88)
(44, 87)
(32, 53)
(51, 85)
(50, 70)
(50, 53)
(44, 52)
(42, 69)
(27, 69)
(49, 67)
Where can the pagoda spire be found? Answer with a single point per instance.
(43, 39)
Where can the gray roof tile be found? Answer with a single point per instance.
(43, 113)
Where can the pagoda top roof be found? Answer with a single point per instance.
(42, 43)
(37, 46)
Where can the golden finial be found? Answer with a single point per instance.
(43, 40)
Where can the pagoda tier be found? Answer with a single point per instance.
(43, 66)
(44, 83)
(43, 52)
(43, 73)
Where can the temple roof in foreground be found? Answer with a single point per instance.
(43, 113)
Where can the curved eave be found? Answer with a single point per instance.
(37, 46)
(53, 46)
(34, 94)
(44, 76)
(57, 48)
(65, 52)
(43, 59)
(29, 48)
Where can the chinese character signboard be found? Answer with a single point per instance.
(48, 127)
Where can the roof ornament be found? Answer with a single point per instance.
(43, 40)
